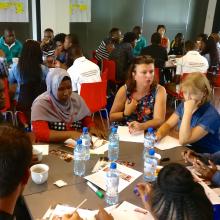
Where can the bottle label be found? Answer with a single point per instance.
(85, 142)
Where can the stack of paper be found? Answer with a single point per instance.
(125, 135)
(125, 211)
(167, 142)
(126, 176)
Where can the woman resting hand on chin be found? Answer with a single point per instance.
(197, 119)
(141, 102)
(59, 113)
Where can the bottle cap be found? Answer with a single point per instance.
(113, 165)
(114, 129)
(150, 130)
(79, 141)
(99, 194)
(151, 151)
(85, 129)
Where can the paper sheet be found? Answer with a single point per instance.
(124, 135)
(126, 177)
(167, 142)
(125, 211)
(42, 148)
(210, 193)
(100, 145)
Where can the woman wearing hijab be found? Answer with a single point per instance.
(58, 113)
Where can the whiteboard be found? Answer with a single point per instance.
(14, 11)
(80, 10)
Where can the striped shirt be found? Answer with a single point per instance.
(101, 52)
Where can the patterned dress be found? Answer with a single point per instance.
(144, 110)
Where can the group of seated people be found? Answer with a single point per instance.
(57, 113)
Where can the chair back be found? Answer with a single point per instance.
(111, 66)
(94, 60)
(94, 95)
(157, 75)
(104, 74)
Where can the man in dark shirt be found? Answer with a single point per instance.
(123, 55)
(15, 149)
(156, 51)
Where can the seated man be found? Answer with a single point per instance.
(123, 55)
(141, 41)
(108, 44)
(47, 45)
(2, 99)
(82, 69)
(9, 45)
(16, 148)
(156, 51)
(60, 53)
(192, 61)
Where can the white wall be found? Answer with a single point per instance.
(55, 15)
(210, 17)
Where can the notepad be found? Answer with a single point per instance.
(167, 142)
(125, 135)
(126, 177)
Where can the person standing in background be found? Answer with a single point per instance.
(165, 42)
(141, 41)
(9, 45)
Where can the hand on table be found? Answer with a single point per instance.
(130, 106)
(206, 172)
(145, 190)
(103, 215)
(189, 156)
(158, 136)
(134, 126)
(74, 216)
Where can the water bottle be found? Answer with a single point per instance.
(86, 142)
(79, 159)
(150, 166)
(113, 147)
(149, 141)
(112, 181)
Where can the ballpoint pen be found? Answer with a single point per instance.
(98, 193)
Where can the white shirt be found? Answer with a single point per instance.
(191, 62)
(83, 71)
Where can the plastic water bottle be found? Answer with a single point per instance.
(79, 159)
(112, 181)
(113, 147)
(86, 142)
(149, 141)
(150, 166)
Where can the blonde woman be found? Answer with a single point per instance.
(197, 119)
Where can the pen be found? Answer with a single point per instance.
(98, 193)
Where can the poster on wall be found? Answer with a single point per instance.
(13, 10)
(80, 10)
